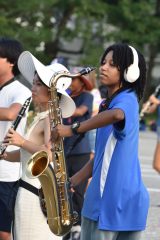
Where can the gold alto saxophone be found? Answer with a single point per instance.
(55, 181)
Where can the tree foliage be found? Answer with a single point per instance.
(138, 23)
(43, 26)
(35, 22)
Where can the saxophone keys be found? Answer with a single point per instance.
(59, 175)
(66, 222)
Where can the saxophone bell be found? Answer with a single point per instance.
(37, 164)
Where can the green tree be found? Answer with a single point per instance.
(46, 23)
(138, 23)
(42, 26)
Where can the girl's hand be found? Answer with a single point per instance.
(71, 186)
(64, 130)
(3, 156)
(13, 138)
(60, 131)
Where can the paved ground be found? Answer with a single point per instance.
(152, 181)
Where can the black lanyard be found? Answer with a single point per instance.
(105, 103)
(7, 83)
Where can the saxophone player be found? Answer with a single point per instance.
(30, 223)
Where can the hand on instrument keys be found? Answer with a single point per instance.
(60, 131)
(13, 138)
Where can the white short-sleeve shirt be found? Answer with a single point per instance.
(15, 92)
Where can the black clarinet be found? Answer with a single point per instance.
(148, 103)
(17, 121)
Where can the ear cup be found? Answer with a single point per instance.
(131, 74)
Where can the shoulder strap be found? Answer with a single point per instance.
(106, 102)
(78, 139)
(7, 83)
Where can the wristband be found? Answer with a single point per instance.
(74, 127)
(22, 142)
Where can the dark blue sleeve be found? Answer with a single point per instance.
(87, 101)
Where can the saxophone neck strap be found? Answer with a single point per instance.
(106, 102)
(38, 192)
(78, 139)
(29, 187)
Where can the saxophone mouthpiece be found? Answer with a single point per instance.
(86, 70)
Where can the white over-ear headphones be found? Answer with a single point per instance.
(131, 74)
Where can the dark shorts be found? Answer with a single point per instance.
(8, 192)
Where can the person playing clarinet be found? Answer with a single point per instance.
(13, 94)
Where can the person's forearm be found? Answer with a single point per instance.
(80, 111)
(6, 115)
(83, 174)
(13, 156)
(152, 108)
(32, 147)
(101, 119)
(154, 100)
(9, 114)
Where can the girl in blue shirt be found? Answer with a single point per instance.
(116, 201)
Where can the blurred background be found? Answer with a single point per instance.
(78, 31)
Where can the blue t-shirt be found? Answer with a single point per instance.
(82, 146)
(116, 196)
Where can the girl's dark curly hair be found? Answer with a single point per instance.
(123, 58)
